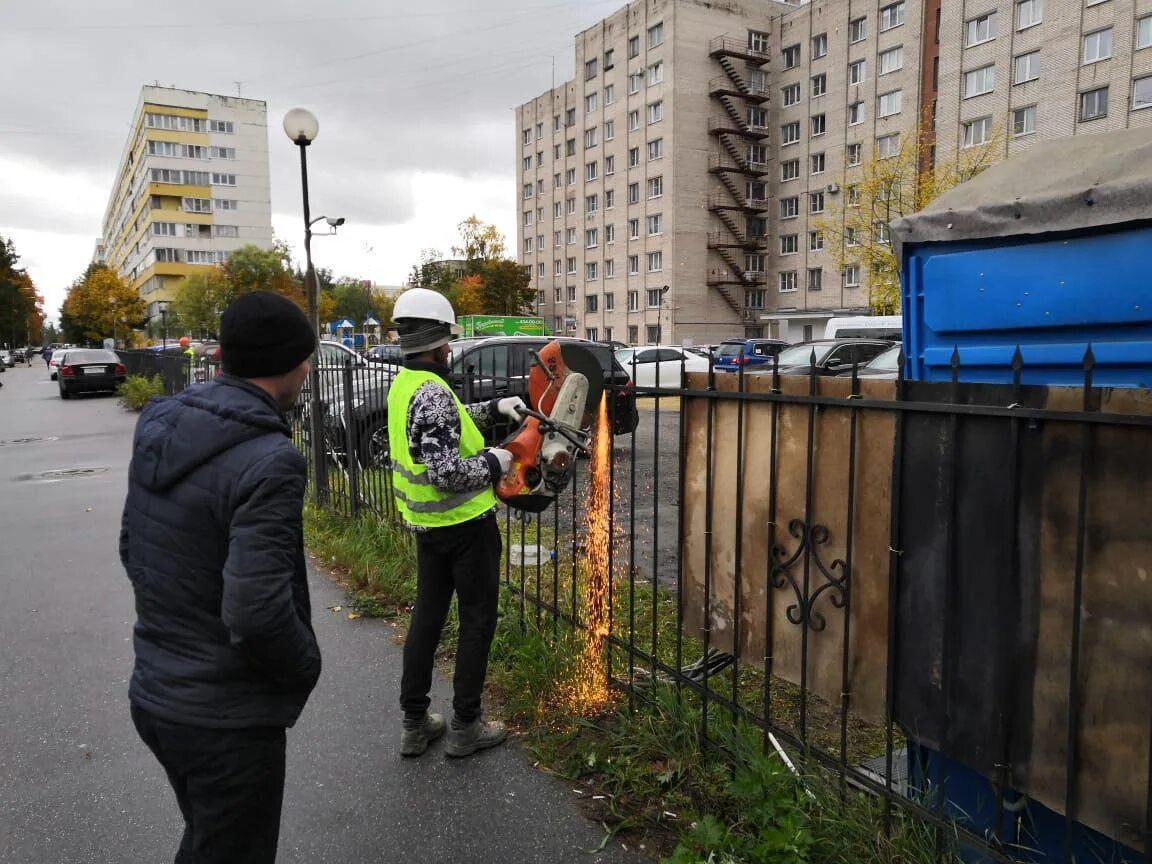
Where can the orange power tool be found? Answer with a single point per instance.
(564, 388)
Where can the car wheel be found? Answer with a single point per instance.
(64, 394)
(372, 445)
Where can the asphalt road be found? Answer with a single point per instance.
(76, 785)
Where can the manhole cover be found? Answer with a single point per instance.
(62, 474)
(27, 440)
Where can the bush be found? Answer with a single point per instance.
(137, 390)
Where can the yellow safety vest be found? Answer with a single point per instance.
(419, 502)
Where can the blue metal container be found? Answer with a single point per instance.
(1051, 297)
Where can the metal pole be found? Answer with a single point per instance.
(164, 327)
(316, 426)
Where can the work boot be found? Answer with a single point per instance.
(418, 735)
(464, 739)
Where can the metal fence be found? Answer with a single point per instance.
(936, 592)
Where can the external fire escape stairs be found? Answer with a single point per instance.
(729, 91)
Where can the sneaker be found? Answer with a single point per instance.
(415, 740)
(480, 734)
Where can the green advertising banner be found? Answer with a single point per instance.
(501, 325)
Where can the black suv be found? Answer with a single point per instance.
(481, 369)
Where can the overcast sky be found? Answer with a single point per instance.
(415, 110)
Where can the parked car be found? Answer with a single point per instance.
(90, 370)
(832, 356)
(54, 360)
(885, 365)
(735, 353)
(645, 363)
(385, 354)
(6, 358)
(20, 355)
(888, 327)
(480, 370)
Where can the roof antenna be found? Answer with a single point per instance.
(239, 88)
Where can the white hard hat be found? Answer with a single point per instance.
(425, 304)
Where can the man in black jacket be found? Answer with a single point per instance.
(212, 540)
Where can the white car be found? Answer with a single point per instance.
(6, 359)
(55, 361)
(644, 363)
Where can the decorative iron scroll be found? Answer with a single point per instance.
(803, 611)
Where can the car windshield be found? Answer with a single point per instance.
(624, 356)
(731, 349)
(801, 355)
(92, 356)
(887, 361)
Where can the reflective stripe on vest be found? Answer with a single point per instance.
(419, 502)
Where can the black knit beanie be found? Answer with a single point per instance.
(263, 335)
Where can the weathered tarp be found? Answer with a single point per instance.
(1072, 184)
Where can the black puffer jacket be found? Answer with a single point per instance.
(212, 541)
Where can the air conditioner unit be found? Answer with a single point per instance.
(833, 188)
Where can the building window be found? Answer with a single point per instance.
(754, 299)
(557, 209)
(570, 147)
(815, 278)
(591, 334)
(655, 112)
(857, 72)
(590, 102)
(979, 81)
(892, 60)
(633, 193)
(655, 187)
(850, 237)
(633, 269)
(789, 207)
(222, 152)
(633, 334)
(1024, 121)
(608, 64)
(790, 170)
(590, 138)
(655, 149)
(635, 83)
(555, 122)
(609, 130)
(571, 270)
(634, 120)
(609, 233)
(888, 146)
(817, 163)
(224, 127)
(527, 136)
(572, 288)
(221, 179)
(590, 272)
(892, 16)
(759, 41)
(889, 103)
(855, 113)
(788, 281)
(655, 224)
(852, 276)
(791, 94)
(591, 171)
(591, 203)
(633, 229)
(1094, 104)
(819, 46)
(204, 205)
(570, 176)
(609, 166)
(591, 238)
(1029, 13)
(633, 47)
(1142, 93)
(1098, 46)
(790, 132)
(655, 262)
(819, 84)
(883, 234)
(609, 199)
(589, 69)
(163, 229)
(540, 298)
(757, 117)
(857, 30)
(791, 56)
(609, 299)
(539, 158)
(570, 236)
(655, 35)
(855, 154)
(789, 244)
(819, 125)
(980, 30)
(852, 196)
(655, 74)
(977, 132)
(1144, 32)
(557, 270)
(816, 202)
(815, 241)
(633, 157)
(754, 262)
(1026, 67)
(757, 153)
(655, 295)
(609, 95)
(527, 218)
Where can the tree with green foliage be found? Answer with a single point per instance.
(21, 306)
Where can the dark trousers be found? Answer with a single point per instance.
(466, 559)
(229, 784)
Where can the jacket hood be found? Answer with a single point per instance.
(177, 435)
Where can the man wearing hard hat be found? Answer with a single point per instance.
(443, 479)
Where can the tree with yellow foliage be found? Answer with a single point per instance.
(101, 305)
(885, 188)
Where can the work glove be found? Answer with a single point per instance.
(511, 407)
(504, 457)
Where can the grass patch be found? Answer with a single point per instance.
(138, 390)
(640, 762)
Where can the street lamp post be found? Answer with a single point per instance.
(164, 323)
(301, 127)
(660, 317)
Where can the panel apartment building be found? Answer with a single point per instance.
(680, 187)
(192, 186)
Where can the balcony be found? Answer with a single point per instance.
(718, 164)
(720, 240)
(718, 277)
(722, 85)
(729, 46)
(747, 205)
(727, 126)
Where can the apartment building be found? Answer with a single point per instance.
(192, 186)
(681, 187)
